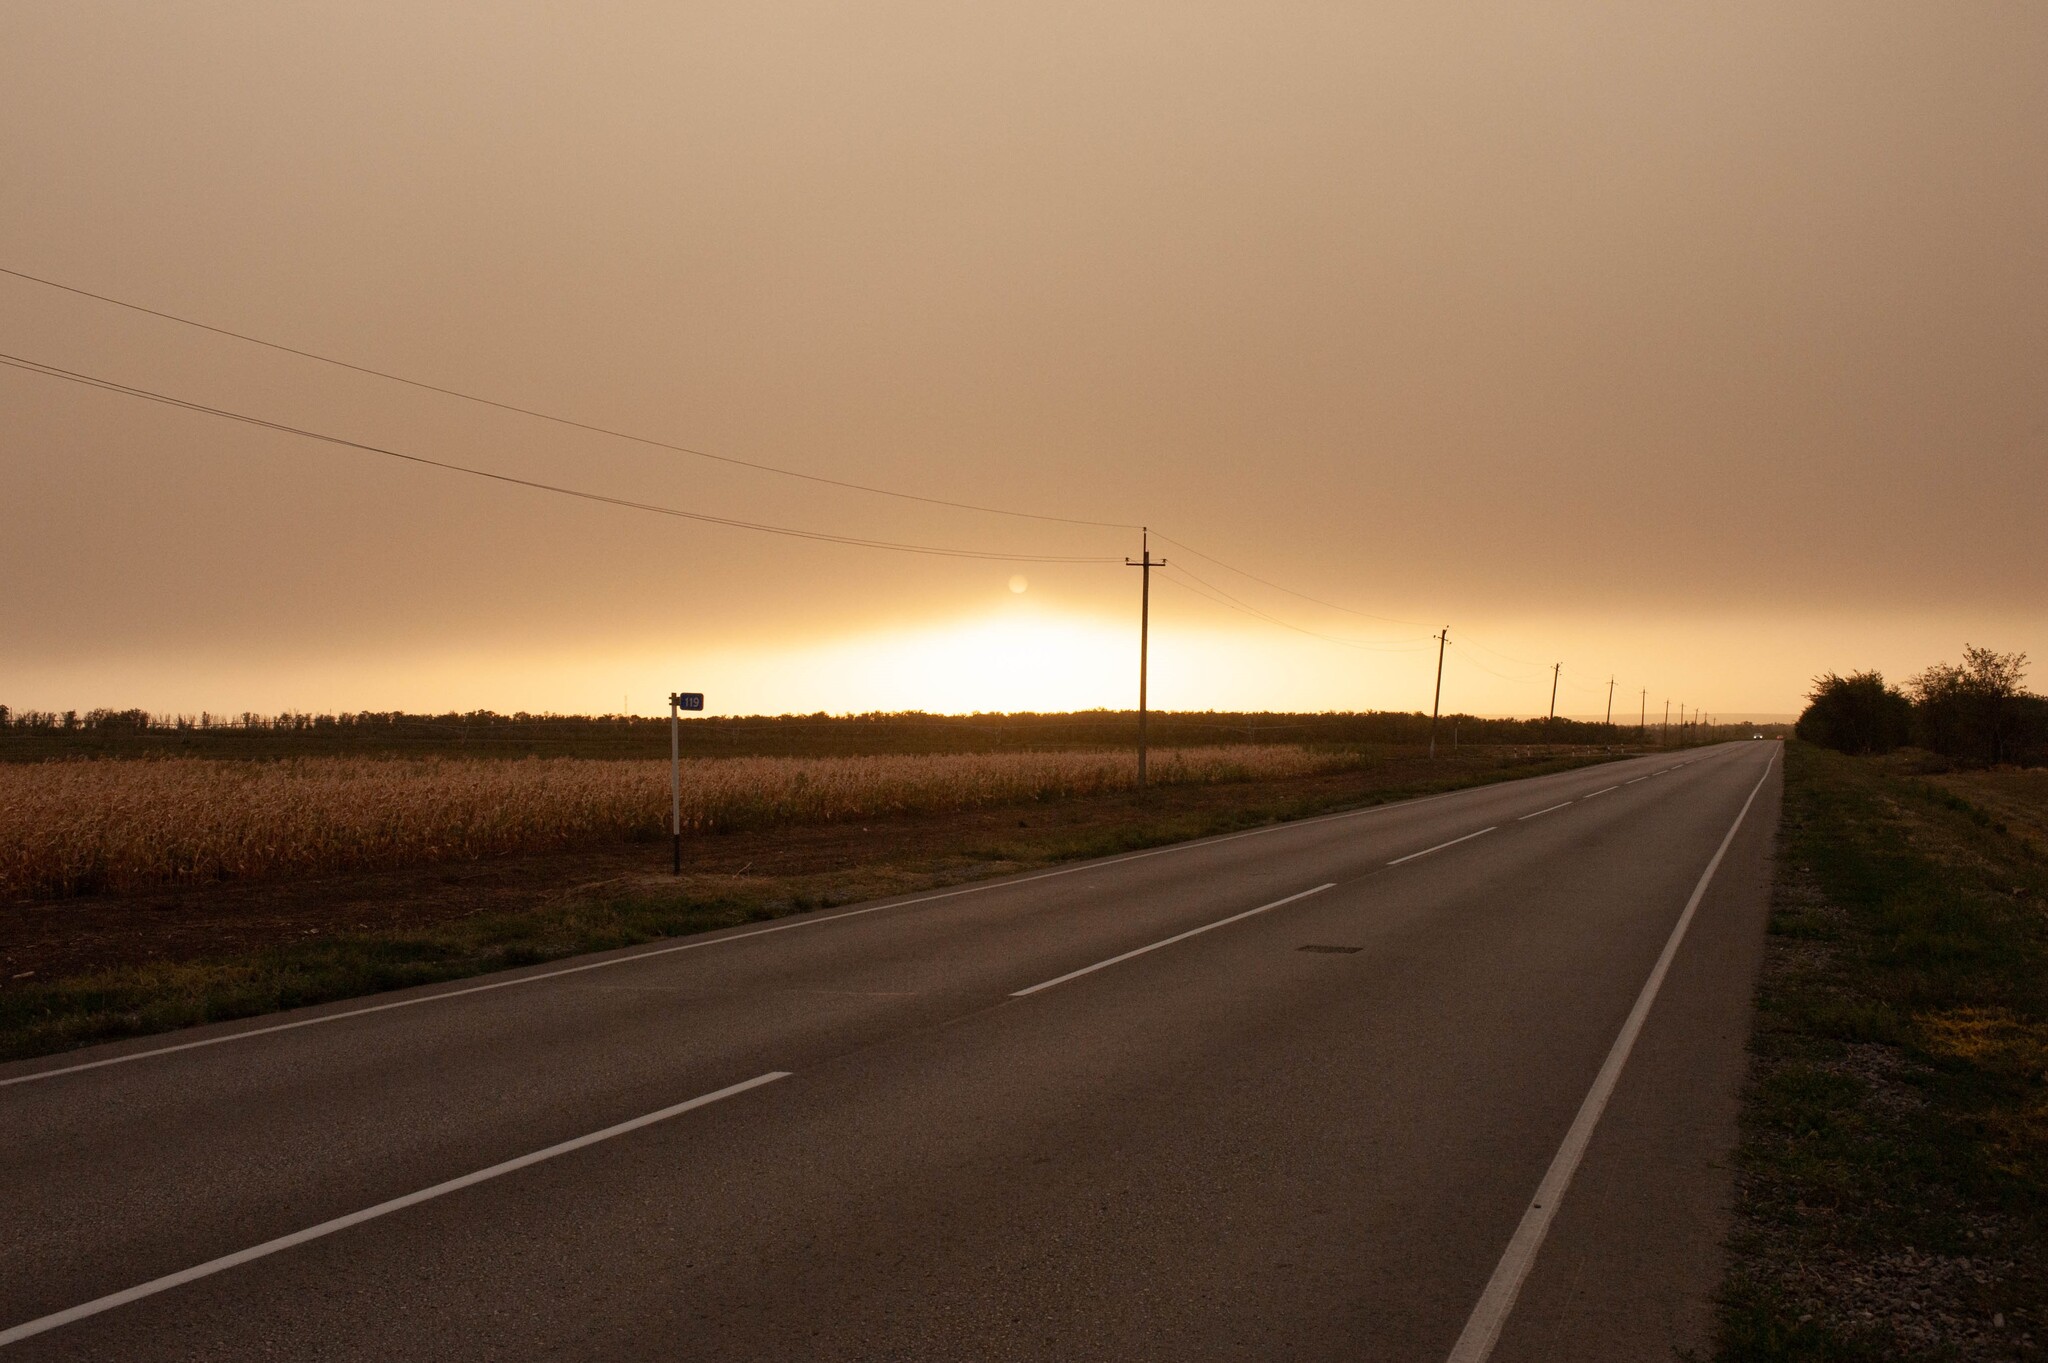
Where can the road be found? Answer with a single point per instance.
(1293, 1093)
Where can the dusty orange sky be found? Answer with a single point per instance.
(1700, 347)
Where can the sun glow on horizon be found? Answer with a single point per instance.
(1008, 660)
(1028, 651)
(1027, 656)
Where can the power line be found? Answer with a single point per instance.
(1364, 615)
(1509, 657)
(1517, 681)
(109, 385)
(1199, 587)
(652, 442)
(1207, 595)
(1217, 594)
(1194, 583)
(592, 427)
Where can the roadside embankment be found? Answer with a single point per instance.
(1893, 1171)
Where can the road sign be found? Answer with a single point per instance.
(687, 700)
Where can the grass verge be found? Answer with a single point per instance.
(1893, 1168)
(147, 996)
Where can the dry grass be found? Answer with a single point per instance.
(2018, 799)
(84, 827)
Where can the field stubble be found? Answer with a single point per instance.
(123, 826)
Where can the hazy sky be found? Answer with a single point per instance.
(1699, 346)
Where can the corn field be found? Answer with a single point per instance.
(69, 828)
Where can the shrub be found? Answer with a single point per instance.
(1856, 714)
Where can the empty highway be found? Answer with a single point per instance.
(1444, 1080)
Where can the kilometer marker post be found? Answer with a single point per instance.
(678, 701)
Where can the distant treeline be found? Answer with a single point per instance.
(32, 735)
(1975, 712)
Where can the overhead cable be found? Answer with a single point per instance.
(1217, 594)
(1363, 615)
(1506, 657)
(592, 427)
(109, 385)
(1518, 681)
(1223, 598)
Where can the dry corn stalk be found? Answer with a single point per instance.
(68, 828)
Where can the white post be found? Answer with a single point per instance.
(675, 781)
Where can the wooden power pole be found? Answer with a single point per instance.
(1146, 562)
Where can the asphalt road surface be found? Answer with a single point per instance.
(1445, 1080)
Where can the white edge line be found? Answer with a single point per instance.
(1482, 1330)
(698, 943)
(284, 1242)
(1168, 941)
(1541, 812)
(1440, 846)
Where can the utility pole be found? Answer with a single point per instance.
(1437, 704)
(1146, 562)
(1643, 715)
(1610, 702)
(1664, 735)
(1555, 669)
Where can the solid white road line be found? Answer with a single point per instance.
(1541, 812)
(1169, 941)
(1601, 791)
(697, 944)
(1482, 1330)
(283, 1242)
(1440, 846)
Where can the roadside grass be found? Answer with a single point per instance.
(1893, 1168)
(41, 1017)
(2017, 799)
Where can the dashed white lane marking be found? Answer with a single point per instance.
(1440, 846)
(1482, 1330)
(1168, 941)
(284, 1242)
(1541, 812)
(1639, 778)
(1602, 791)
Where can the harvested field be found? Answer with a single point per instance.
(88, 827)
(77, 970)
